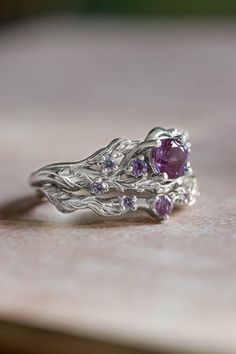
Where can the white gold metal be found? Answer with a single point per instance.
(101, 184)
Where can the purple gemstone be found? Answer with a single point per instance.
(98, 187)
(108, 163)
(138, 167)
(163, 206)
(170, 157)
(128, 202)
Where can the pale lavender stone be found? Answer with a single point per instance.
(170, 158)
(138, 167)
(108, 163)
(128, 202)
(98, 187)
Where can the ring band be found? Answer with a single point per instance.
(127, 175)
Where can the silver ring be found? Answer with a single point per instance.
(154, 175)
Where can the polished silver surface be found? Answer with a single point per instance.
(105, 181)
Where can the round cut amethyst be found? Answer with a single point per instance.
(138, 167)
(170, 158)
(108, 163)
(98, 187)
(163, 206)
(128, 202)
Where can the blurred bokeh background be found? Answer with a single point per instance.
(14, 9)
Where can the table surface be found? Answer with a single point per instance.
(69, 86)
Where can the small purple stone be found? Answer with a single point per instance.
(98, 188)
(128, 202)
(163, 206)
(138, 167)
(170, 158)
(108, 163)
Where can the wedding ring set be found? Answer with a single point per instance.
(153, 175)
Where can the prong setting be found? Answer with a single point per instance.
(128, 203)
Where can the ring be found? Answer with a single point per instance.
(154, 175)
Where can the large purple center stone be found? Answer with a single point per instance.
(170, 157)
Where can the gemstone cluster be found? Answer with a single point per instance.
(168, 159)
(164, 160)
